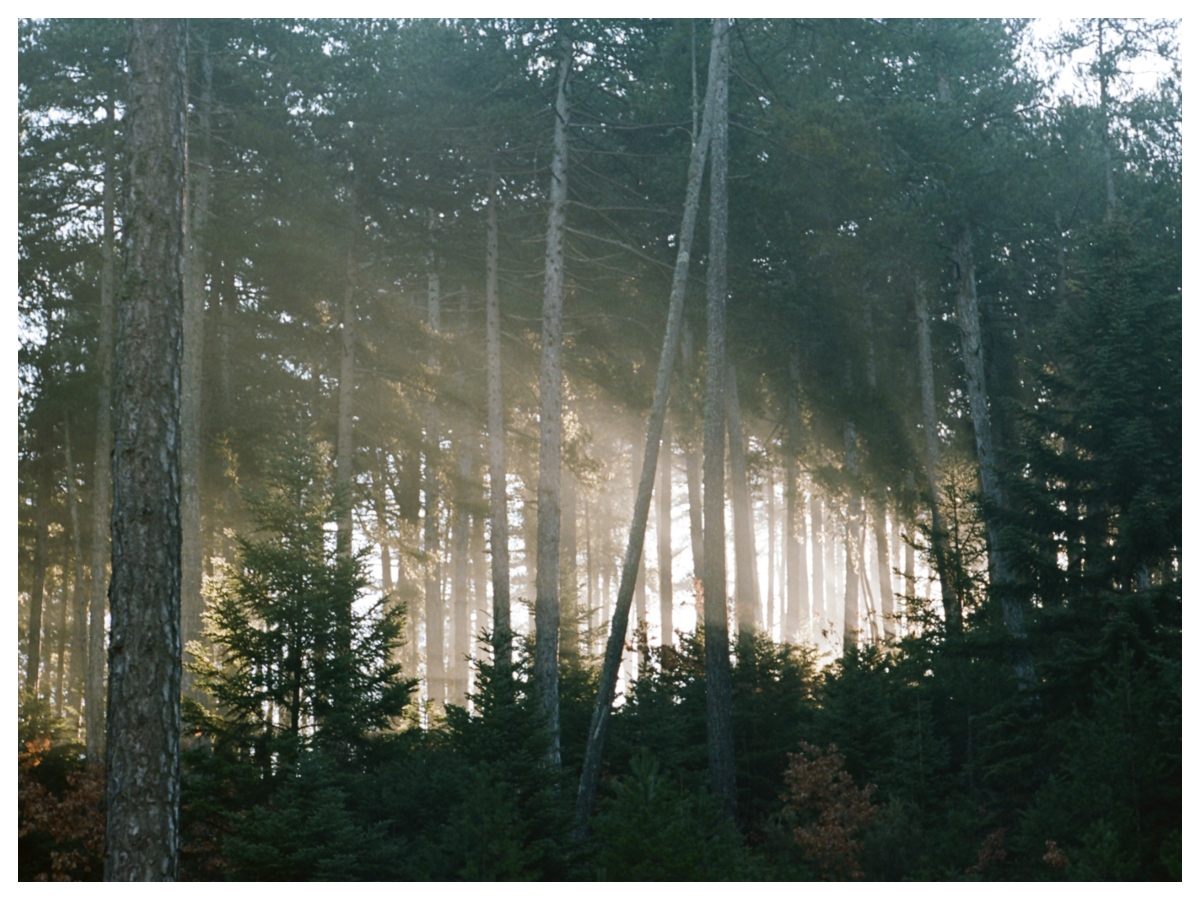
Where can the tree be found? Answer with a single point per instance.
(142, 829)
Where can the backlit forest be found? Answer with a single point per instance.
(601, 449)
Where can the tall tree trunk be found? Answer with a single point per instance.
(820, 612)
(799, 616)
(999, 568)
(598, 729)
(191, 389)
(951, 602)
(746, 596)
(569, 576)
(850, 619)
(497, 468)
(78, 595)
(60, 639)
(887, 594)
(770, 624)
(141, 835)
(638, 632)
(460, 642)
(41, 538)
(102, 466)
(479, 565)
(666, 601)
(718, 687)
(435, 615)
(547, 612)
(345, 432)
(692, 463)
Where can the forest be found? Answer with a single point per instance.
(599, 449)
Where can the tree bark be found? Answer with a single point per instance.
(345, 432)
(887, 594)
(460, 643)
(850, 619)
(435, 616)
(547, 612)
(41, 537)
(94, 698)
(569, 580)
(666, 602)
(192, 386)
(497, 467)
(78, 595)
(598, 729)
(746, 602)
(820, 613)
(718, 687)
(141, 837)
(799, 615)
(771, 557)
(692, 463)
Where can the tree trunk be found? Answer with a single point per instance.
(951, 602)
(999, 569)
(141, 836)
(718, 688)
(598, 729)
(78, 596)
(770, 623)
(692, 463)
(345, 432)
(497, 467)
(102, 466)
(666, 602)
(41, 537)
(546, 609)
(887, 594)
(569, 580)
(850, 619)
(746, 596)
(191, 389)
(799, 616)
(435, 616)
(460, 642)
(820, 613)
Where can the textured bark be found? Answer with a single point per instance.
(497, 467)
(850, 618)
(546, 606)
(598, 729)
(718, 688)
(78, 596)
(141, 837)
(94, 698)
(191, 599)
(666, 601)
(435, 616)
(951, 603)
(41, 537)
(999, 568)
(746, 601)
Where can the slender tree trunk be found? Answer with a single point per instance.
(102, 465)
(718, 687)
(192, 386)
(951, 602)
(850, 619)
(638, 631)
(60, 669)
(745, 597)
(820, 612)
(666, 600)
(771, 555)
(999, 568)
(460, 643)
(546, 609)
(692, 463)
(345, 433)
(141, 836)
(799, 616)
(382, 522)
(887, 595)
(41, 538)
(78, 595)
(497, 468)
(435, 615)
(569, 587)
(479, 562)
(598, 729)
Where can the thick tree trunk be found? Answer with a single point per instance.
(746, 595)
(435, 616)
(718, 687)
(497, 467)
(78, 595)
(41, 537)
(999, 568)
(951, 602)
(192, 386)
(666, 601)
(141, 836)
(598, 729)
(102, 466)
(547, 612)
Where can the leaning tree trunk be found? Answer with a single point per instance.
(141, 835)
(191, 599)
(497, 468)
(598, 730)
(951, 602)
(999, 567)
(718, 687)
(102, 465)
(547, 614)
(746, 597)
